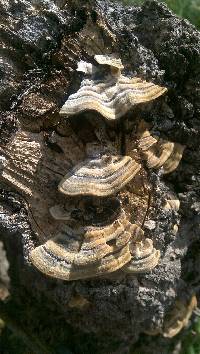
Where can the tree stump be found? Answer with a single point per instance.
(42, 44)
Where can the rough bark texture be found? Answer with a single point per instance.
(42, 41)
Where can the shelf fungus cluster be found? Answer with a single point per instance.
(85, 251)
(159, 152)
(106, 241)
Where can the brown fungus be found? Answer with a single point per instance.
(88, 251)
(176, 319)
(179, 317)
(113, 95)
(112, 98)
(146, 141)
(110, 60)
(84, 246)
(159, 152)
(144, 257)
(100, 176)
(173, 161)
(63, 268)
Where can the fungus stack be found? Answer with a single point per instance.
(103, 247)
(85, 252)
(108, 241)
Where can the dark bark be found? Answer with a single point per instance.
(42, 42)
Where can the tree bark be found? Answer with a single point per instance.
(42, 42)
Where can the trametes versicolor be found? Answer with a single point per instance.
(105, 246)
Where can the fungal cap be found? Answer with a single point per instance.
(58, 212)
(179, 317)
(144, 257)
(112, 98)
(110, 59)
(86, 68)
(146, 140)
(173, 161)
(158, 154)
(63, 268)
(99, 176)
(86, 251)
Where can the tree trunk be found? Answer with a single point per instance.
(42, 43)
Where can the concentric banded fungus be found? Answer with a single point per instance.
(110, 60)
(112, 96)
(146, 140)
(144, 257)
(179, 317)
(160, 153)
(172, 163)
(62, 268)
(99, 176)
(86, 251)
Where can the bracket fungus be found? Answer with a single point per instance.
(179, 317)
(100, 239)
(87, 251)
(101, 176)
(159, 152)
(61, 267)
(144, 257)
(113, 95)
(110, 60)
(146, 141)
(87, 247)
(173, 161)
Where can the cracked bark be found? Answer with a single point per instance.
(41, 45)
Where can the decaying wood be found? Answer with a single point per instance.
(127, 86)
